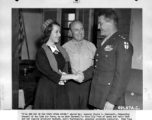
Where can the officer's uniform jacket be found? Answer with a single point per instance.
(111, 72)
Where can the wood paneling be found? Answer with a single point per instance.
(84, 18)
(50, 14)
(124, 16)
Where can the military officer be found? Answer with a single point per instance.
(112, 65)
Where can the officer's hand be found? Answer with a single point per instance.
(108, 106)
(81, 77)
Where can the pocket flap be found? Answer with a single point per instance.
(104, 80)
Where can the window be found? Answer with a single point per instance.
(68, 15)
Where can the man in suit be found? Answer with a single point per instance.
(112, 68)
(81, 53)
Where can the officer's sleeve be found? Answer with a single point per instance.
(88, 73)
(94, 51)
(122, 71)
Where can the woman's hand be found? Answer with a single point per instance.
(62, 82)
(63, 73)
(77, 77)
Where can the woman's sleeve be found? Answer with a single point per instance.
(45, 68)
(67, 68)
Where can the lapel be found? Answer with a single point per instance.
(66, 57)
(63, 52)
(110, 39)
(51, 58)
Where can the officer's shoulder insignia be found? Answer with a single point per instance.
(126, 45)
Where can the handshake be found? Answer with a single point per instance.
(78, 77)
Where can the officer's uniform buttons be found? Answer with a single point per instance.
(132, 94)
(106, 55)
(94, 71)
(97, 54)
(95, 66)
(96, 60)
(108, 83)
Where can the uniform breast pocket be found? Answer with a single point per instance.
(88, 58)
(105, 79)
(74, 58)
(109, 58)
(109, 53)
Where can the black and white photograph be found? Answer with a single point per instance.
(77, 58)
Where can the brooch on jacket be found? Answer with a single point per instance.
(56, 52)
(108, 48)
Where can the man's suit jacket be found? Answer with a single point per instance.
(111, 72)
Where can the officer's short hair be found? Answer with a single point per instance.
(109, 14)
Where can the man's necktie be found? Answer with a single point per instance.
(79, 47)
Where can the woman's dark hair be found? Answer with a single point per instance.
(48, 30)
(109, 14)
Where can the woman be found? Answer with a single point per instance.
(51, 60)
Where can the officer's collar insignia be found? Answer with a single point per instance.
(126, 45)
(108, 48)
(122, 37)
